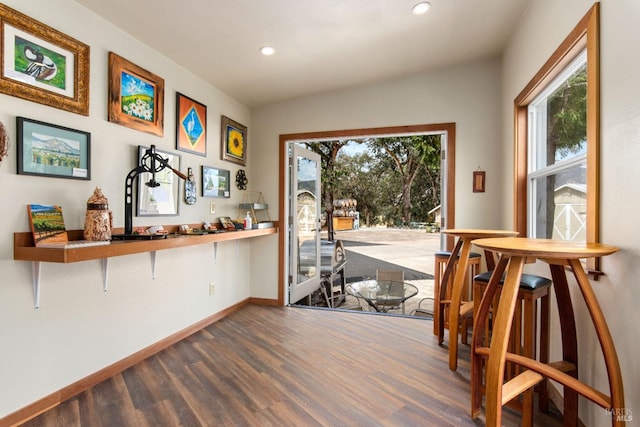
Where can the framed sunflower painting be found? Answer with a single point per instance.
(234, 141)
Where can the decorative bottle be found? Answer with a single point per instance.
(99, 219)
(190, 188)
(247, 221)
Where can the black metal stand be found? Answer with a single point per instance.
(152, 163)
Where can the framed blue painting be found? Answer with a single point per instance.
(136, 96)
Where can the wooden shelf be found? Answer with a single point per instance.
(25, 250)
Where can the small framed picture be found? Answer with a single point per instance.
(160, 200)
(51, 150)
(226, 223)
(215, 182)
(234, 141)
(478, 181)
(191, 125)
(136, 96)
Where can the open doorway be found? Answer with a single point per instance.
(286, 218)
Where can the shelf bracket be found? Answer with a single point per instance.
(215, 252)
(35, 272)
(105, 274)
(153, 264)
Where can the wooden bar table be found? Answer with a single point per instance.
(457, 309)
(560, 255)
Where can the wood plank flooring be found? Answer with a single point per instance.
(274, 366)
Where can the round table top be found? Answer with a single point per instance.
(478, 233)
(545, 248)
(380, 290)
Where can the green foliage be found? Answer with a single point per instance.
(395, 180)
(567, 115)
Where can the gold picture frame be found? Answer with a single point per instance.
(234, 141)
(136, 96)
(41, 64)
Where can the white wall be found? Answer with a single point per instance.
(467, 95)
(79, 329)
(545, 24)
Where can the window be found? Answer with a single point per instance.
(557, 145)
(557, 138)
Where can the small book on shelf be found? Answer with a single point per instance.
(47, 226)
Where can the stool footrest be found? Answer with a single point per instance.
(466, 308)
(518, 384)
(550, 371)
(562, 366)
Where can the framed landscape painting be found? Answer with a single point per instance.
(215, 182)
(191, 125)
(41, 64)
(51, 150)
(136, 96)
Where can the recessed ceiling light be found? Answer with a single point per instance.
(421, 8)
(267, 50)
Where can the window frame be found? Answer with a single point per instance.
(585, 36)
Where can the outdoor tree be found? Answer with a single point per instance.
(396, 177)
(369, 180)
(409, 154)
(566, 131)
(330, 176)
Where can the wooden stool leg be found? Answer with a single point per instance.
(443, 289)
(569, 339)
(456, 299)
(606, 342)
(437, 278)
(500, 340)
(543, 388)
(529, 350)
(479, 339)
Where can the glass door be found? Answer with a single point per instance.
(304, 277)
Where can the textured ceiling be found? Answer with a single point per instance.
(320, 44)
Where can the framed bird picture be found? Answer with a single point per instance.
(41, 64)
(191, 125)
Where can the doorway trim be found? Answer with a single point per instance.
(448, 128)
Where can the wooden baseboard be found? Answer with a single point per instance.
(264, 301)
(54, 399)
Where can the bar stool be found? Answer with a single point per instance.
(441, 258)
(533, 293)
(515, 252)
(457, 308)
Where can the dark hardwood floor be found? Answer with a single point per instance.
(267, 366)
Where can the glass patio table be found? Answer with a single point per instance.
(382, 295)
